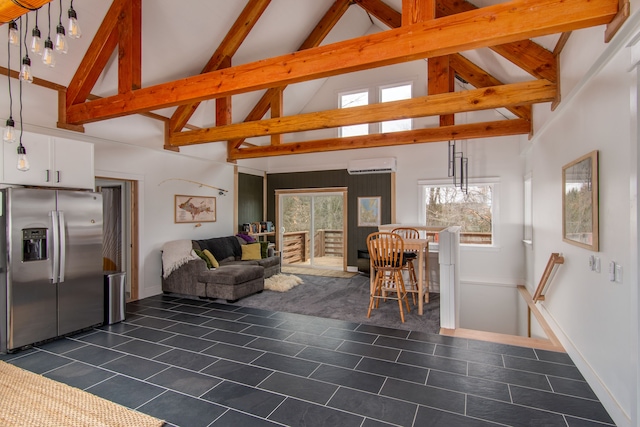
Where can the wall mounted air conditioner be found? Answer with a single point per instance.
(383, 165)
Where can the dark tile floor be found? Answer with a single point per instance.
(201, 363)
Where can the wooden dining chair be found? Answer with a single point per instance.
(387, 251)
(410, 256)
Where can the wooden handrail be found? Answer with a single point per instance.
(554, 260)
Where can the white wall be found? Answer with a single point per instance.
(596, 319)
(160, 176)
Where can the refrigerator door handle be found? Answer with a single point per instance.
(63, 246)
(55, 231)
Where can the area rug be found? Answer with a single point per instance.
(318, 272)
(31, 400)
(281, 282)
(345, 299)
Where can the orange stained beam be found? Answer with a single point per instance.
(10, 9)
(497, 24)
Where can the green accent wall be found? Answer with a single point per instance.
(369, 185)
(250, 200)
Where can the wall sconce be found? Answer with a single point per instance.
(458, 167)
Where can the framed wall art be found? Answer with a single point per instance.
(194, 209)
(368, 211)
(580, 202)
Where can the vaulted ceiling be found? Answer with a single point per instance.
(239, 73)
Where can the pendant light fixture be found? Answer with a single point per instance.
(14, 34)
(36, 38)
(74, 27)
(23, 162)
(9, 133)
(25, 72)
(458, 167)
(61, 38)
(48, 58)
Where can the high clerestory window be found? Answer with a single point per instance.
(386, 93)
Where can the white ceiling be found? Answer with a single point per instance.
(179, 37)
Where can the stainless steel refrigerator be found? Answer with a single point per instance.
(51, 265)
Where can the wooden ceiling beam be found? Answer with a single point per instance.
(418, 136)
(130, 47)
(10, 9)
(446, 103)
(97, 56)
(479, 78)
(318, 34)
(528, 55)
(489, 26)
(229, 46)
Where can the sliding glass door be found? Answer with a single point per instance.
(312, 227)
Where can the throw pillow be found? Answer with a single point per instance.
(204, 257)
(263, 249)
(251, 251)
(212, 259)
(246, 237)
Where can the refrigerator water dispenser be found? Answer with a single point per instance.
(34, 244)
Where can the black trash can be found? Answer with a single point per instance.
(114, 296)
(364, 261)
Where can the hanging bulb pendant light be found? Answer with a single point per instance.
(74, 27)
(36, 41)
(9, 134)
(36, 38)
(61, 36)
(23, 162)
(14, 35)
(25, 72)
(62, 45)
(48, 58)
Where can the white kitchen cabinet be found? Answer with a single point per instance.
(54, 162)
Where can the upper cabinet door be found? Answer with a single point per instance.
(54, 162)
(73, 164)
(38, 148)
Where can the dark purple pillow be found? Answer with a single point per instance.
(246, 238)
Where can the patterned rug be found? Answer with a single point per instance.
(31, 400)
(318, 272)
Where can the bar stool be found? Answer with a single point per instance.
(386, 251)
(410, 256)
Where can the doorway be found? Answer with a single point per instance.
(120, 219)
(312, 227)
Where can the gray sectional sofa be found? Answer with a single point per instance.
(233, 279)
